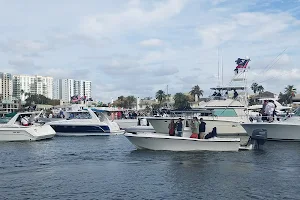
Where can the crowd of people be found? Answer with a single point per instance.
(198, 128)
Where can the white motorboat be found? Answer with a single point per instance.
(162, 142)
(280, 110)
(136, 129)
(84, 122)
(14, 131)
(134, 124)
(285, 129)
(154, 141)
(126, 123)
(158, 141)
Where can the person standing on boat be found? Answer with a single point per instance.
(179, 127)
(202, 128)
(172, 127)
(270, 107)
(263, 111)
(195, 128)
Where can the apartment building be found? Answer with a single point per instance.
(24, 84)
(64, 89)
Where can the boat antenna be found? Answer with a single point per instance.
(218, 69)
(222, 69)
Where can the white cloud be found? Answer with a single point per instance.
(133, 18)
(246, 26)
(102, 42)
(24, 46)
(152, 42)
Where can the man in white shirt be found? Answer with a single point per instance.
(270, 107)
(24, 121)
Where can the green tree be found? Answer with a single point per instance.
(282, 98)
(160, 96)
(181, 101)
(40, 99)
(125, 102)
(27, 94)
(20, 100)
(260, 89)
(254, 87)
(196, 91)
(130, 100)
(22, 92)
(289, 92)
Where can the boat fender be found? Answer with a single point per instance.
(139, 122)
(148, 123)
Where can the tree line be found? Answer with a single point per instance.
(284, 98)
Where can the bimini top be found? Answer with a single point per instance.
(229, 88)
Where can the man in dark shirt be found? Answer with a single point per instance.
(179, 127)
(202, 128)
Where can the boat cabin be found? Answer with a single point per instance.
(30, 117)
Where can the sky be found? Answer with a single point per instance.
(137, 47)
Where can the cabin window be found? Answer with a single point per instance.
(225, 112)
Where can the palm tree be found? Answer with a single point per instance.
(254, 87)
(196, 91)
(130, 100)
(181, 101)
(22, 92)
(260, 89)
(160, 96)
(20, 99)
(289, 91)
(27, 94)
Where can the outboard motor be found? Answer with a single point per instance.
(257, 138)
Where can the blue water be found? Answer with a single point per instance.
(110, 168)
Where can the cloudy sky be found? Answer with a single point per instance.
(136, 47)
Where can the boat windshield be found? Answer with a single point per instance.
(223, 112)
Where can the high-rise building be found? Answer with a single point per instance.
(6, 86)
(24, 84)
(64, 89)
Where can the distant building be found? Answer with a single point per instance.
(64, 89)
(265, 94)
(24, 84)
(6, 89)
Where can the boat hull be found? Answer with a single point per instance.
(276, 131)
(173, 143)
(31, 133)
(81, 130)
(225, 128)
(135, 129)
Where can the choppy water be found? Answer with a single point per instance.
(111, 168)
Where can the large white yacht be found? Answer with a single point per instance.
(285, 129)
(13, 130)
(84, 122)
(226, 112)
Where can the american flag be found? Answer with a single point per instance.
(242, 63)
